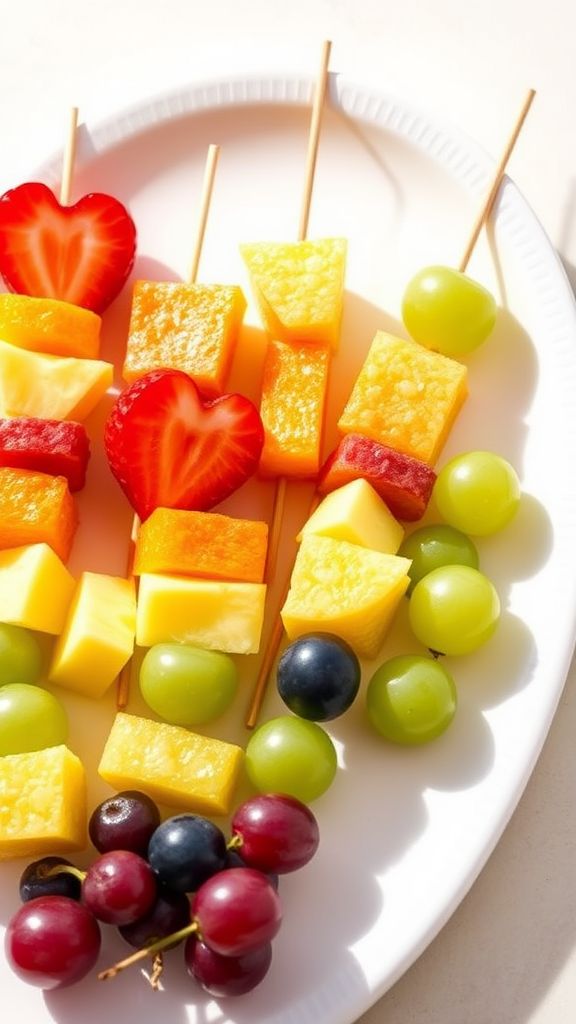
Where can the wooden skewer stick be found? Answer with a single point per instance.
(69, 158)
(496, 181)
(123, 688)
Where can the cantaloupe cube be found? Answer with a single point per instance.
(292, 408)
(42, 803)
(188, 327)
(299, 287)
(35, 588)
(338, 587)
(171, 764)
(50, 387)
(36, 508)
(49, 325)
(357, 514)
(217, 615)
(406, 397)
(98, 636)
(201, 544)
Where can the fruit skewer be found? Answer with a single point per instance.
(123, 688)
(275, 638)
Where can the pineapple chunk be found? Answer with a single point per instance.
(171, 764)
(49, 325)
(299, 287)
(405, 397)
(42, 803)
(98, 637)
(35, 588)
(220, 616)
(341, 588)
(50, 387)
(356, 513)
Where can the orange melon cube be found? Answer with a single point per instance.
(36, 508)
(204, 544)
(292, 408)
(405, 397)
(49, 325)
(188, 327)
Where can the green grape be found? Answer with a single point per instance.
(411, 700)
(448, 311)
(187, 685)
(433, 546)
(30, 719)
(293, 756)
(20, 656)
(454, 609)
(477, 492)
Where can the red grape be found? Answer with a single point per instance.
(237, 910)
(226, 975)
(119, 887)
(52, 941)
(278, 833)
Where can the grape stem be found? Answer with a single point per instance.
(235, 842)
(152, 950)
(66, 869)
(157, 968)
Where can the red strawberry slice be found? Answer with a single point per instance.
(81, 254)
(167, 447)
(48, 446)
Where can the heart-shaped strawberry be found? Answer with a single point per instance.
(81, 254)
(167, 447)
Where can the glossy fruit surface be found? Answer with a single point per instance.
(448, 311)
(454, 609)
(318, 676)
(20, 656)
(411, 700)
(167, 447)
(31, 718)
(119, 887)
(223, 976)
(477, 492)
(36, 880)
(278, 833)
(52, 941)
(186, 850)
(125, 821)
(431, 547)
(292, 756)
(237, 911)
(170, 913)
(81, 253)
(187, 685)
(55, 447)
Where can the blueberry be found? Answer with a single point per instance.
(186, 850)
(35, 880)
(318, 676)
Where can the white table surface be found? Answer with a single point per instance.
(508, 955)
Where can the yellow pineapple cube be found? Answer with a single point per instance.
(214, 614)
(98, 636)
(342, 588)
(42, 803)
(406, 397)
(35, 588)
(50, 387)
(299, 287)
(356, 513)
(171, 764)
(49, 325)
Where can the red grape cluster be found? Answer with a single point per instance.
(142, 882)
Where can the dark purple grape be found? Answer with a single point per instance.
(186, 850)
(226, 975)
(124, 822)
(318, 676)
(119, 887)
(170, 913)
(35, 881)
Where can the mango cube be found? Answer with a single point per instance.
(171, 764)
(35, 588)
(188, 327)
(49, 325)
(357, 514)
(42, 803)
(219, 616)
(299, 288)
(338, 587)
(50, 387)
(36, 508)
(406, 397)
(98, 636)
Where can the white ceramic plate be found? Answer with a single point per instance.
(404, 833)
